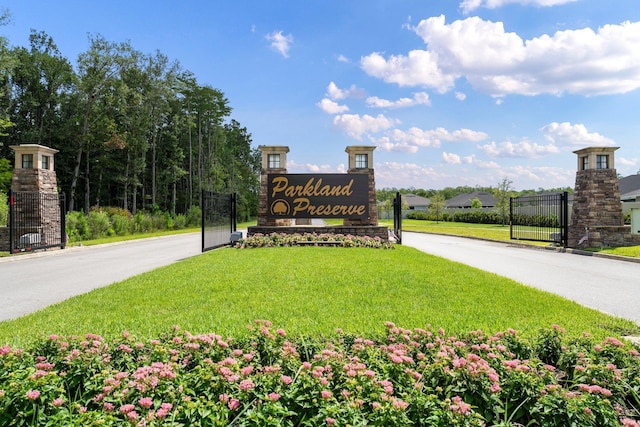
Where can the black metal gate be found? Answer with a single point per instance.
(218, 219)
(397, 218)
(540, 218)
(36, 221)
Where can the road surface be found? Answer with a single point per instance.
(608, 285)
(33, 281)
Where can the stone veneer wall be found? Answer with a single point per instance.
(41, 181)
(4, 239)
(372, 231)
(373, 206)
(597, 208)
(601, 237)
(263, 209)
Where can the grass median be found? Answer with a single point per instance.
(312, 291)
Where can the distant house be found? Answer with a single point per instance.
(410, 203)
(415, 202)
(463, 201)
(629, 188)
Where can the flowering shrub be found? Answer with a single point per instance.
(409, 377)
(260, 240)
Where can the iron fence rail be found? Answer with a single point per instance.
(218, 219)
(540, 218)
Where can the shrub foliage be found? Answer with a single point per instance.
(409, 377)
(260, 240)
(112, 221)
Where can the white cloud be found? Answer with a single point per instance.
(280, 43)
(384, 143)
(499, 63)
(332, 107)
(335, 93)
(342, 58)
(295, 167)
(524, 149)
(573, 136)
(470, 5)
(460, 96)
(396, 174)
(418, 68)
(451, 158)
(626, 162)
(356, 125)
(420, 98)
(410, 140)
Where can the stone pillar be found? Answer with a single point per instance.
(596, 200)
(34, 172)
(361, 161)
(274, 161)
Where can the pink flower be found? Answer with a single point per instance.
(281, 332)
(246, 385)
(164, 410)
(273, 397)
(146, 402)
(330, 421)
(125, 409)
(33, 394)
(326, 394)
(233, 404)
(57, 402)
(132, 415)
(108, 407)
(459, 406)
(247, 370)
(286, 379)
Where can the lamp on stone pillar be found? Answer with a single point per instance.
(361, 161)
(274, 160)
(596, 199)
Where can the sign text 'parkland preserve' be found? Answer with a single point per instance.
(318, 196)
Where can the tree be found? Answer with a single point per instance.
(476, 203)
(98, 71)
(503, 195)
(40, 81)
(5, 175)
(7, 62)
(437, 206)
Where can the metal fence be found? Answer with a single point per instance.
(36, 221)
(541, 218)
(397, 218)
(218, 219)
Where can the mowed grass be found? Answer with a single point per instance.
(481, 231)
(312, 291)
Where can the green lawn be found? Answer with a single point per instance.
(312, 291)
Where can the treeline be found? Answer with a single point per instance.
(133, 130)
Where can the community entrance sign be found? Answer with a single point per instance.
(318, 196)
(297, 203)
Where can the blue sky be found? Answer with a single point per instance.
(451, 92)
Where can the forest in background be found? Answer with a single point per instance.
(134, 130)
